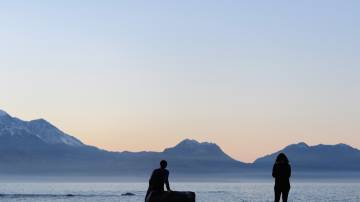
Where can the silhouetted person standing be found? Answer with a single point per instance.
(158, 178)
(282, 173)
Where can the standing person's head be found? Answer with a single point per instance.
(282, 159)
(163, 164)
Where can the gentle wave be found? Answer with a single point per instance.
(55, 195)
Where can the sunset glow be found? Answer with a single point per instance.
(129, 76)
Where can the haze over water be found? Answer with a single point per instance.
(206, 192)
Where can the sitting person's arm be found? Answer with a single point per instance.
(167, 182)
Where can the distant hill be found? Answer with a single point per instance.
(316, 158)
(38, 147)
(192, 149)
(209, 157)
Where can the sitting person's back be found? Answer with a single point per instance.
(158, 178)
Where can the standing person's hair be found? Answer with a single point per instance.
(163, 164)
(282, 158)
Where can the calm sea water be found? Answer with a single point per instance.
(206, 192)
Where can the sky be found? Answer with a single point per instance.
(251, 76)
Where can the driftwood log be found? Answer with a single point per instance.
(173, 196)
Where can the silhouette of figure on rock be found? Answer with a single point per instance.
(158, 178)
(156, 191)
(282, 173)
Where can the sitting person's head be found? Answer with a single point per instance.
(163, 164)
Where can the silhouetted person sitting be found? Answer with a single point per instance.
(281, 172)
(158, 178)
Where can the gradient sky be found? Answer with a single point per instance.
(252, 76)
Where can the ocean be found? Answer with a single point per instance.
(206, 192)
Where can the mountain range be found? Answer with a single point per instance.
(38, 147)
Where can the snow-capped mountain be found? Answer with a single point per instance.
(40, 128)
(38, 147)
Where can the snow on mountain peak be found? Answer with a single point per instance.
(50, 134)
(39, 128)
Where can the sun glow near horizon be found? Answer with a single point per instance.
(250, 77)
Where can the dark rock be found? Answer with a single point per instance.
(128, 194)
(173, 196)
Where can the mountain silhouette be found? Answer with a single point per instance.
(194, 149)
(38, 147)
(205, 156)
(318, 157)
(37, 130)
